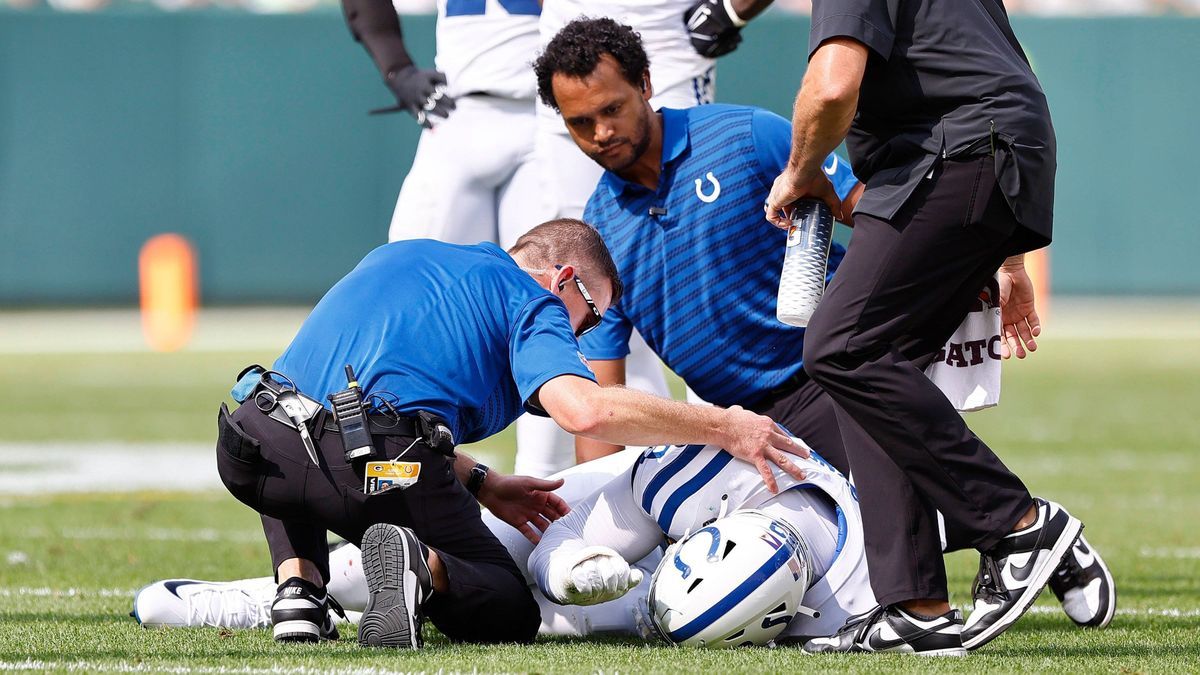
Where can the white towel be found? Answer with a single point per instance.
(967, 370)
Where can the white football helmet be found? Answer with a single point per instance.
(736, 582)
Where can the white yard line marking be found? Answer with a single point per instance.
(269, 329)
(265, 329)
(203, 534)
(124, 467)
(1168, 552)
(1172, 612)
(47, 592)
(107, 467)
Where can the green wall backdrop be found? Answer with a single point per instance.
(249, 135)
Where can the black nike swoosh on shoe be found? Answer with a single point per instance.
(172, 585)
(879, 644)
(1022, 573)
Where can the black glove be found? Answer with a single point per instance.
(713, 32)
(420, 92)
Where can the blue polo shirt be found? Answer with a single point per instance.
(459, 331)
(699, 260)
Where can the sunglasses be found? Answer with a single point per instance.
(592, 320)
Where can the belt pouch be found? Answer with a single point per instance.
(233, 440)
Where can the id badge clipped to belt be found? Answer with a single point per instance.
(393, 475)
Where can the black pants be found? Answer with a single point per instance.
(487, 600)
(900, 292)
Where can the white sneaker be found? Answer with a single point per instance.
(187, 602)
(891, 629)
(1015, 570)
(302, 612)
(1085, 587)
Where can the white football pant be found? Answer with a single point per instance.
(473, 178)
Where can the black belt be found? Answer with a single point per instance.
(486, 94)
(382, 424)
(379, 424)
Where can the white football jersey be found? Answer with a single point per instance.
(673, 60)
(674, 490)
(488, 46)
(683, 488)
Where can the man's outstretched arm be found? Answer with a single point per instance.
(609, 373)
(629, 417)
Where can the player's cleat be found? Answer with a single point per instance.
(1014, 572)
(1085, 587)
(398, 583)
(187, 602)
(891, 629)
(300, 612)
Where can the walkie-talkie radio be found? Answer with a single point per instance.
(351, 419)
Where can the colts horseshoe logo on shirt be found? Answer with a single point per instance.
(709, 197)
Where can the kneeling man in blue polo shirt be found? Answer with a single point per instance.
(449, 345)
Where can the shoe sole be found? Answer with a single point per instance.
(389, 619)
(1037, 580)
(296, 631)
(953, 651)
(961, 651)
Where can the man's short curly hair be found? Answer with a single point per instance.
(577, 49)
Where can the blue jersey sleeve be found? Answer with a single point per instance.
(610, 340)
(773, 144)
(542, 346)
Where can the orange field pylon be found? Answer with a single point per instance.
(167, 279)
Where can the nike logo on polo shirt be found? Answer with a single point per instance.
(711, 196)
(833, 165)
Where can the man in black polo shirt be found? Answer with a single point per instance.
(950, 131)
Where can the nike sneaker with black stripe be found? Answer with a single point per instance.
(1085, 587)
(891, 629)
(300, 612)
(398, 584)
(189, 602)
(1014, 572)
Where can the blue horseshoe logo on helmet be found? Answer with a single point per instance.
(686, 570)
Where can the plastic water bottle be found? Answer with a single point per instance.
(802, 282)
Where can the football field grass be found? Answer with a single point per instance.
(1108, 427)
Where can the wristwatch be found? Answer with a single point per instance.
(475, 480)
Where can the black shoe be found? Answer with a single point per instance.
(1084, 586)
(398, 582)
(891, 629)
(1014, 572)
(300, 613)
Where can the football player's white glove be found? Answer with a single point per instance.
(591, 575)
